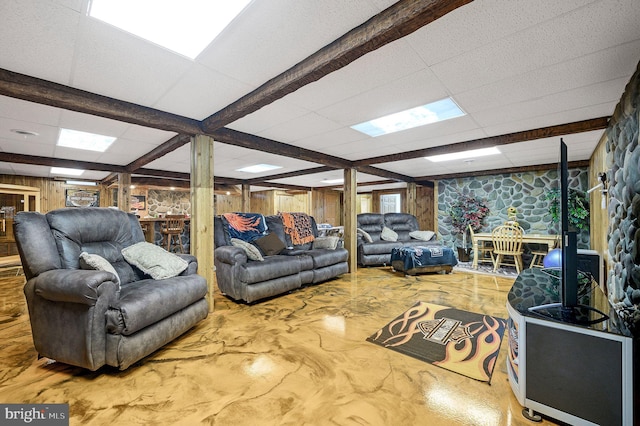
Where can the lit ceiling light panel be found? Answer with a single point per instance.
(333, 181)
(66, 172)
(258, 168)
(464, 154)
(83, 140)
(186, 27)
(434, 112)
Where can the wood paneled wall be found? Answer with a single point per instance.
(364, 203)
(324, 205)
(227, 203)
(286, 202)
(599, 217)
(52, 192)
(263, 202)
(425, 208)
(327, 206)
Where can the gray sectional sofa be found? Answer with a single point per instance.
(243, 279)
(378, 251)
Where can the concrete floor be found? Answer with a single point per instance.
(298, 359)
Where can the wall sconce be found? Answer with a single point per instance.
(602, 176)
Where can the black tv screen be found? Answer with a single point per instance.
(568, 309)
(569, 294)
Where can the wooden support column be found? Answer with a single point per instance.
(124, 192)
(202, 209)
(349, 219)
(411, 199)
(246, 197)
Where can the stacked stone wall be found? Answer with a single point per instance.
(623, 161)
(162, 201)
(524, 191)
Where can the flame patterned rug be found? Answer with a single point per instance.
(463, 342)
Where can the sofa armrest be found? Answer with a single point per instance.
(230, 254)
(74, 285)
(192, 268)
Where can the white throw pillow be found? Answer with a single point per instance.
(389, 234)
(154, 260)
(252, 251)
(330, 242)
(365, 235)
(98, 263)
(422, 235)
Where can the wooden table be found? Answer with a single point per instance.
(550, 240)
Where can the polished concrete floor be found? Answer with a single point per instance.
(299, 359)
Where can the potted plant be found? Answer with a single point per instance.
(467, 210)
(578, 208)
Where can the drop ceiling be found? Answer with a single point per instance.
(511, 65)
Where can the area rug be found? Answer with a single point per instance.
(487, 269)
(463, 342)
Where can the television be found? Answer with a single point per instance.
(568, 309)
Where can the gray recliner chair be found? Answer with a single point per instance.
(83, 317)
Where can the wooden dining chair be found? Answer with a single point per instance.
(537, 256)
(507, 243)
(485, 249)
(172, 229)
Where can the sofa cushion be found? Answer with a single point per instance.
(98, 263)
(388, 234)
(250, 250)
(270, 244)
(326, 257)
(379, 247)
(154, 260)
(143, 303)
(422, 235)
(326, 243)
(272, 267)
(371, 223)
(402, 224)
(365, 235)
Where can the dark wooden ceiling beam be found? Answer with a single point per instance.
(509, 170)
(393, 23)
(527, 135)
(160, 151)
(45, 92)
(160, 182)
(59, 162)
(375, 171)
(284, 186)
(228, 181)
(246, 140)
(163, 173)
(302, 172)
(109, 179)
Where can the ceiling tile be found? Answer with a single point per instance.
(38, 33)
(108, 61)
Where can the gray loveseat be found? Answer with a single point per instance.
(248, 280)
(378, 251)
(90, 318)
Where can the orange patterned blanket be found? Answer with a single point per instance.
(298, 227)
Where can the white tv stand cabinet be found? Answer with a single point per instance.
(578, 374)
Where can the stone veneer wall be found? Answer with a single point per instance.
(623, 164)
(524, 191)
(162, 201)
